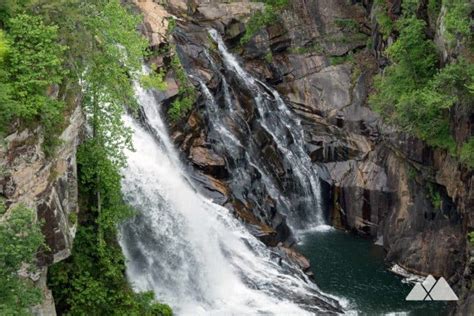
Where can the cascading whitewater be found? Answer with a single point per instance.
(302, 193)
(191, 252)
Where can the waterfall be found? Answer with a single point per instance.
(300, 199)
(193, 254)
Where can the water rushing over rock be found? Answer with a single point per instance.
(193, 253)
(286, 171)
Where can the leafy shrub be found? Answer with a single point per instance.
(154, 80)
(348, 24)
(93, 278)
(434, 6)
(467, 153)
(186, 94)
(32, 66)
(457, 20)
(338, 60)
(20, 237)
(384, 21)
(34, 63)
(434, 196)
(264, 18)
(417, 96)
(106, 54)
(470, 237)
(3, 46)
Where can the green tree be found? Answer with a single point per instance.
(3, 47)
(109, 61)
(417, 96)
(20, 237)
(32, 66)
(457, 21)
(413, 60)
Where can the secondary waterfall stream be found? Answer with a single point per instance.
(194, 254)
(301, 194)
(191, 252)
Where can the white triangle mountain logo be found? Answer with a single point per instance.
(432, 290)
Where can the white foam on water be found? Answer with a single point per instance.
(193, 254)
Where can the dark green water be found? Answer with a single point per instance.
(353, 267)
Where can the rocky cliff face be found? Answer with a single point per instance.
(377, 181)
(47, 184)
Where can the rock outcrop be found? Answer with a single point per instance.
(377, 181)
(47, 184)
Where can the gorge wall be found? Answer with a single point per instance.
(49, 185)
(376, 180)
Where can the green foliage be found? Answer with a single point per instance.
(33, 64)
(467, 153)
(171, 25)
(93, 283)
(186, 94)
(457, 20)
(313, 48)
(154, 80)
(434, 196)
(257, 22)
(409, 7)
(403, 95)
(470, 237)
(347, 24)
(105, 56)
(268, 57)
(262, 19)
(20, 237)
(413, 52)
(3, 46)
(384, 21)
(414, 94)
(9, 8)
(93, 279)
(412, 173)
(338, 60)
(73, 218)
(434, 6)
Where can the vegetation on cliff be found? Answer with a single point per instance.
(414, 92)
(261, 19)
(186, 94)
(20, 237)
(95, 47)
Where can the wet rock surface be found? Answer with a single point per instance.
(376, 181)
